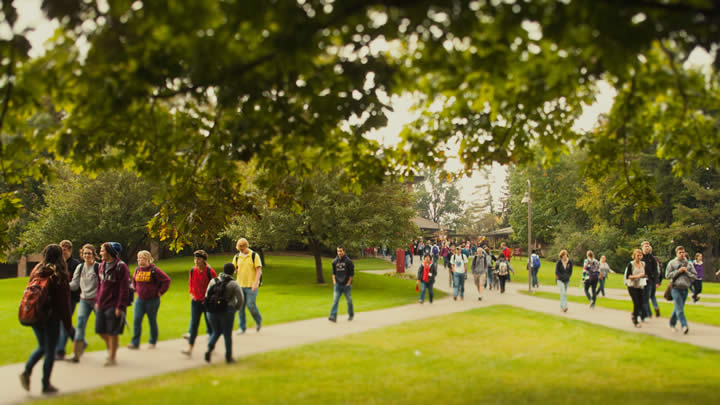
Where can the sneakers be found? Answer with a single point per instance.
(331, 319)
(454, 298)
(132, 346)
(207, 357)
(186, 336)
(257, 327)
(59, 356)
(230, 361)
(151, 346)
(49, 390)
(420, 301)
(564, 309)
(685, 330)
(592, 305)
(695, 299)
(240, 332)
(110, 362)
(657, 312)
(350, 318)
(673, 328)
(25, 381)
(187, 351)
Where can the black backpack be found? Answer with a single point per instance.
(215, 301)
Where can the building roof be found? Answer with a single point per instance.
(424, 223)
(501, 232)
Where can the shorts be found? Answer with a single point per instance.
(480, 278)
(106, 323)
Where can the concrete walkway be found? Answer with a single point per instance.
(90, 373)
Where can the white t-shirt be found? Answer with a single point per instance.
(459, 263)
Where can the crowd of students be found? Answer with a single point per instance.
(102, 284)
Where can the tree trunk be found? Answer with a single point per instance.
(316, 251)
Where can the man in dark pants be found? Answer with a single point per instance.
(72, 264)
(343, 271)
(653, 281)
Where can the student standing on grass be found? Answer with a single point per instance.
(198, 280)
(86, 277)
(343, 271)
(481, 264)
(426, 276)
(503, 269)
(696, 286)
(605, 271)
(652, 272)
(681, 274)
(52, 267)
(248, 267)
(222, 322)
(563, 272)
(150, 283)
(112, 298)
(592, 269)
(635, 280)
(71, 265)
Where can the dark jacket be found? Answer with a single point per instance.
(431, 274)
(561, 273)
(651, 268)
(343, 269)
(72, 264)
(59, 292)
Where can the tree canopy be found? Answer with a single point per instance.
(183, 91)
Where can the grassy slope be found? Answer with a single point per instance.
(289, 293)
(490, 355)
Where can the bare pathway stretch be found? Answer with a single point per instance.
(90, 373)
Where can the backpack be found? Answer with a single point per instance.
(535, 261)
(35, 305)
(435, 251)
(502, 268)
(252, 257)
(215, 301)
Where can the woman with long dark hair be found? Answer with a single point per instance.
(47, 327)
(635, 281)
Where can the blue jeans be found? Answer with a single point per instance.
(47, 335)
(143, 307)
(679, 297)
(222, 324)
(339, 289)
(601, 289)
(426, 286)
(563, 293)
(85, 308)
(197, 309)
(696, 288)
(251, 304)
(458, 284)
(591, 285)
(649, 295)
(63, 337)
(534, 274)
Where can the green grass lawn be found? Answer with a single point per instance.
(694, 313)
(289, 293)
(490, 355)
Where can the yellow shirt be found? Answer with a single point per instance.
(246, 269)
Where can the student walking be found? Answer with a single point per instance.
(445, 253)
(605, 271)
(458, 262)
(112, 298)
(652, 272)
(71, 265)
(199, 278)
(228, 299)
(343, 270)
(592, 269)
(248, 267)
(503, 269)
(681, 274)
(86, 278)
(426, 277)
(150, 283)
(563, 272)
(534, 268)
(697, 285)
(51, 272)
(481, 265)
(635, 280)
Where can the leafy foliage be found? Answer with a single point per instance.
(438, 199)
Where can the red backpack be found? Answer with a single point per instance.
(35, 306)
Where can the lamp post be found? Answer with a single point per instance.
(528, 199)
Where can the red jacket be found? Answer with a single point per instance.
(198, 282)
(507, 252)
